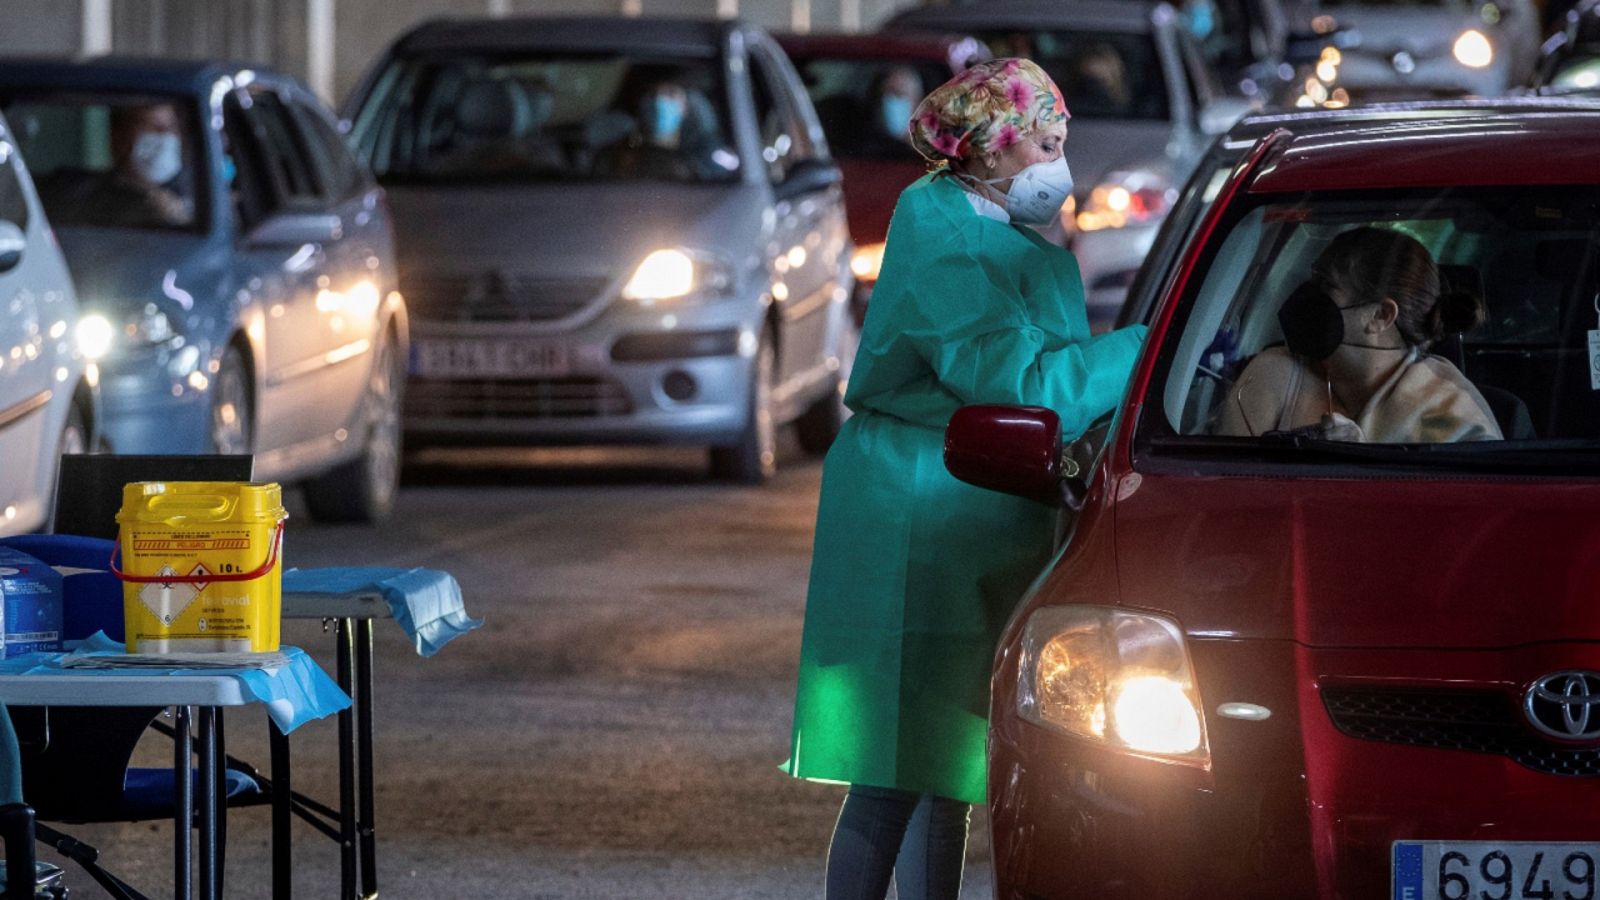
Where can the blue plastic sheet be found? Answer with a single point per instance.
(293, 694)
(425, 602)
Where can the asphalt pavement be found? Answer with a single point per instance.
(614, 729)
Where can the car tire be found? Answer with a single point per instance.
(232, 406)
(820, 424)
(754, 459)
(364, 489)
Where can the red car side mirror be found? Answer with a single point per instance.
(1011, 449)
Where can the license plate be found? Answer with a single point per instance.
(489, 359)
(1493, 870)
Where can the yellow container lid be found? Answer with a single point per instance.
(186, 502)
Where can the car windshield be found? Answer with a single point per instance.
(551, 116)
(1391, 3)
(865, 104)
(1450, 317)
(119, 160)
(1102, 75)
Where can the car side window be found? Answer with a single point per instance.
(249, 186)
(293, 175)
(13, 203)
(329, 153)
(785, 139)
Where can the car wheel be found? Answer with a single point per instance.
(364, 489)
(232, 415)
(820, 424)
(754, 459)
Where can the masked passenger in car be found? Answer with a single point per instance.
(1356, 365)
(147, 165)
(914, 573)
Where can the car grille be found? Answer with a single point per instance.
(533, 398)
(498, 297)
(1476, 721)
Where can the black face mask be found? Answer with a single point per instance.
(1313, 325)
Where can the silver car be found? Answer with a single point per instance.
(1421, 49)
(48, 393)
(612, 231)
(1144, 106)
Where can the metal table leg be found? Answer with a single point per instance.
(366, 823)
(183, 805)
(207, 723)
(282, 804)
(348, 850)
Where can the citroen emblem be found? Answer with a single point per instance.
(1566, 705)
(1403, 63)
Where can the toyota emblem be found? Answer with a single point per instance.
(1566, 705)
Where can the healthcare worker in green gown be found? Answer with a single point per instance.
(914, 573)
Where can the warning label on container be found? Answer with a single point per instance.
(166, 600)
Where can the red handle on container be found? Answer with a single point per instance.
(272, 560)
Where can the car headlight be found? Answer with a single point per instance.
(1112, 676)
(671, 274)
(94, 335)
(1138, 197)
(866, 262)
(1472, 49)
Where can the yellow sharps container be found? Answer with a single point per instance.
(200, 566)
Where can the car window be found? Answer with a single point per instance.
(785, 139)
(13, 202)
(1113, 75)
(1202, 187)
(336, 168)
(245, 167)
(549, 116)
(288, 158)
(1527, 258)
(865, 104)
(121, 160)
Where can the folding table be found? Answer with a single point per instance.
(197, 695)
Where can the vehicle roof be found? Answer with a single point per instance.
(1078, 15)
(679, 37)
(1252, 127)
(131, 73)
(1539, 142)
(869, 46)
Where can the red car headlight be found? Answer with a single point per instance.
(1112, 676)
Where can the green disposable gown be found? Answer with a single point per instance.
(915, 573)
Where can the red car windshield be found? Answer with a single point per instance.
(865, 104)
(1330, 316)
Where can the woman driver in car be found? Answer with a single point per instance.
(1356, 365)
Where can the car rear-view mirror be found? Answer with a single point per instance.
(12, 243)
(807, 177)
(291, 229)
(1011, 449)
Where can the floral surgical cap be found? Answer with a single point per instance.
(986, 109)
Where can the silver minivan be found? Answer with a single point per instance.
(612, 231)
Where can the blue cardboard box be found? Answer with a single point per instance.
(30, 604)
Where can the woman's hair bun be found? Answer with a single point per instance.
(1456, 312)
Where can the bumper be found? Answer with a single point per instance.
(146, 410)
(1291, 806)
(630, 376)
(1108, 260)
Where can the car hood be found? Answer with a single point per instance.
(1380, 563)
(117, 270)
(570, 230)
(1420, 31)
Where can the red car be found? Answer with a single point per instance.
(1282, 663)
(865, 87)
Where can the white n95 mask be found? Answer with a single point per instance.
(158, 156)
(1037, 192)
